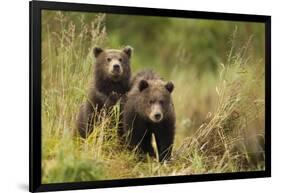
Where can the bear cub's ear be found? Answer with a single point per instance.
(128, 50)
(143, 85)
(97, 51)
(169, 86)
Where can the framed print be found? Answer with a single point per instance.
(126, 96)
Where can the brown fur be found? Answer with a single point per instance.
(106, 87)
(148, 89)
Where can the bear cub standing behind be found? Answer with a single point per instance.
(112, 73)
(148, 110)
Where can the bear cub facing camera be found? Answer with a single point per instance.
(111, 78)
(148, 110)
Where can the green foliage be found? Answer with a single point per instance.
(66, 165)
(162, 41)
(217, 68)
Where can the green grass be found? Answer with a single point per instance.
(220, 116)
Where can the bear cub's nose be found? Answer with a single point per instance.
(157, 116)
(116, 67)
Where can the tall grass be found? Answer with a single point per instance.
(220, 117)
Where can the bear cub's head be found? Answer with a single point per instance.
(112, 63)
(156, 99)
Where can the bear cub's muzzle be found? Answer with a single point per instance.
(156, 114)
(115, 68)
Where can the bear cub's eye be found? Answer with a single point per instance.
(108, 59)
(151, 102)
(161, 102)
(120, 59)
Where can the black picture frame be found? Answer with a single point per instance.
(35, 8)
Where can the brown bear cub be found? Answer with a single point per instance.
(148, 109)
(112, 73)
